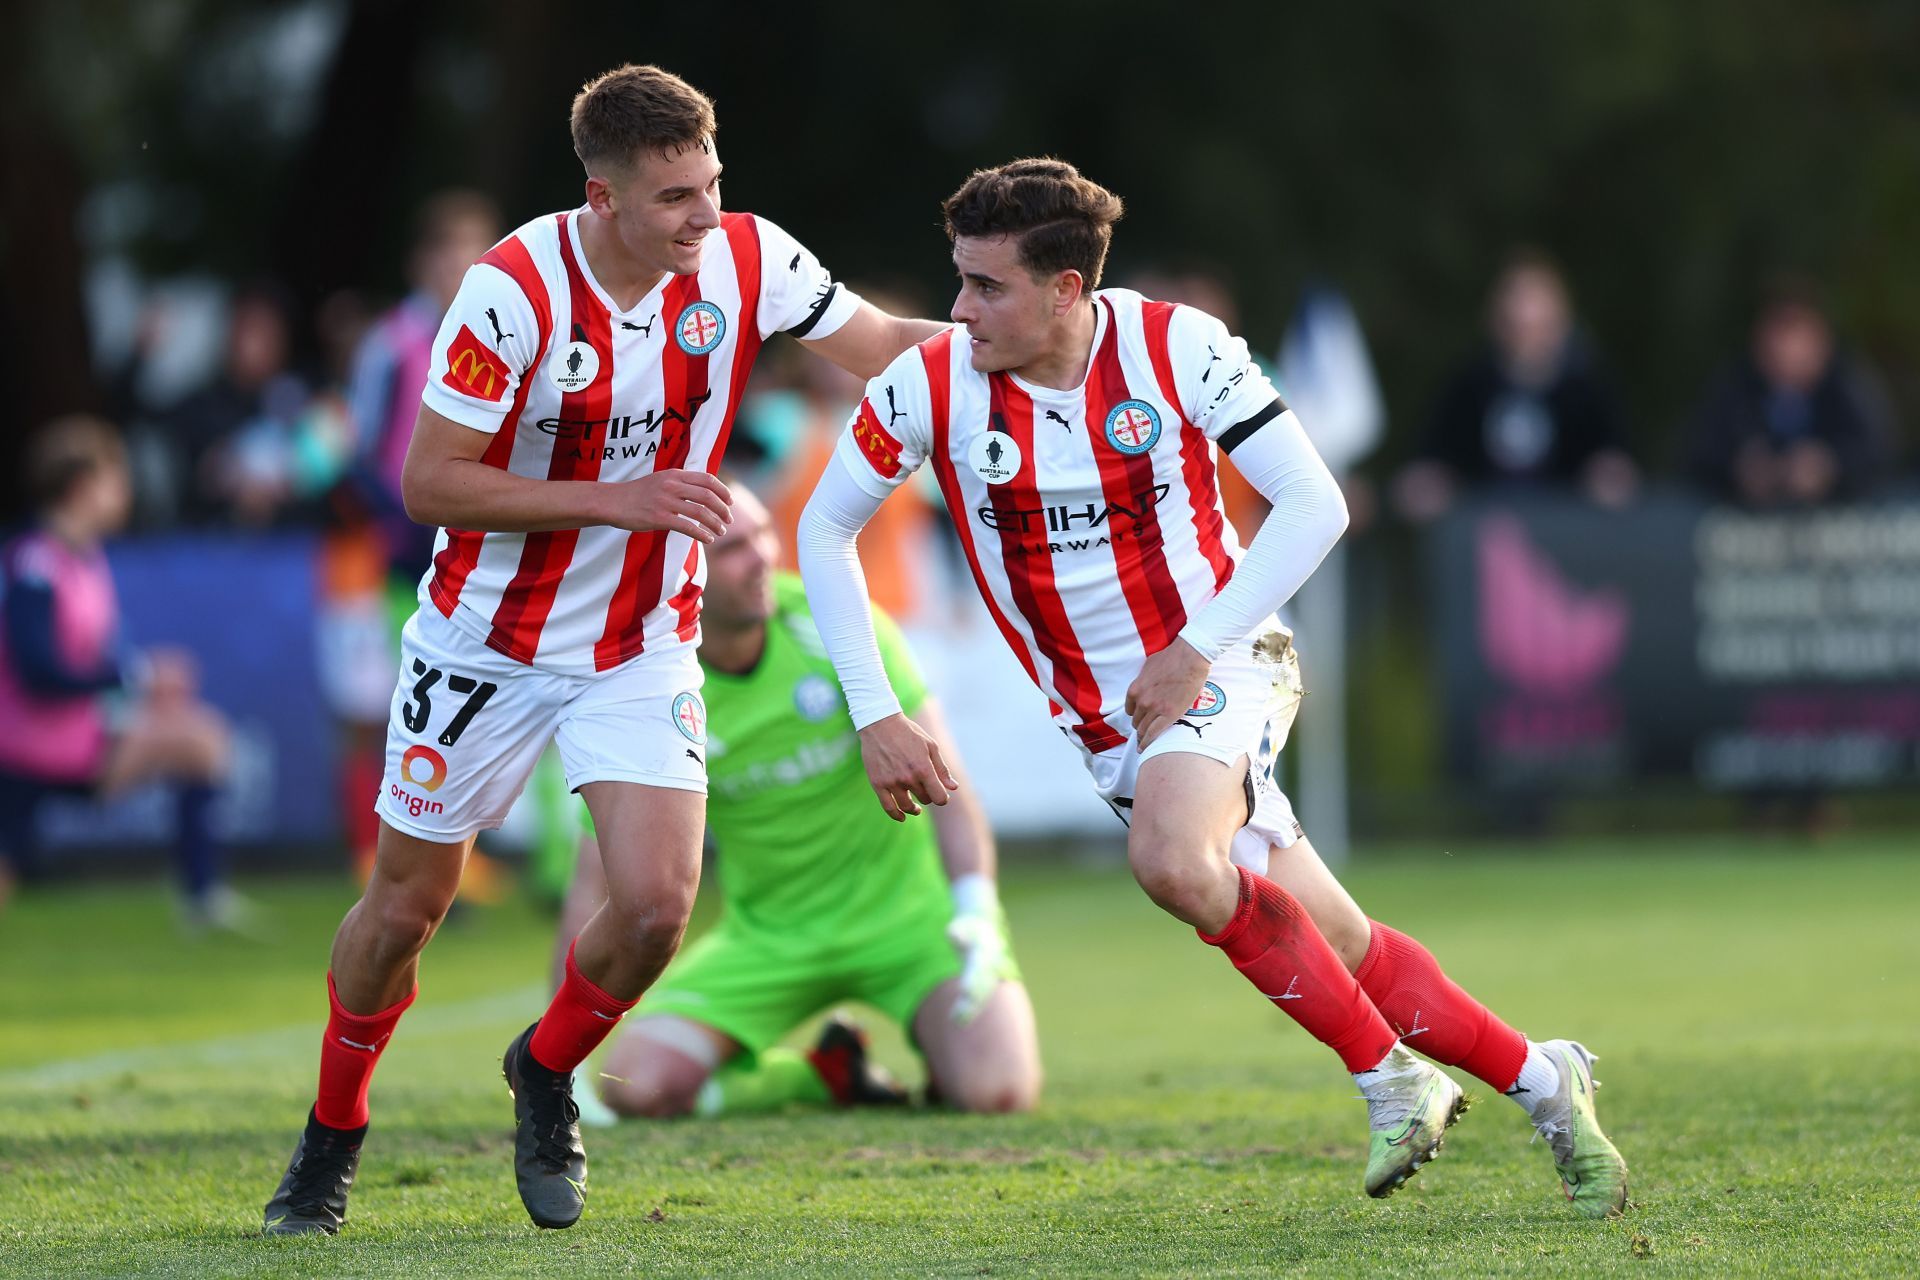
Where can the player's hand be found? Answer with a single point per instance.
(904, 765)
(689, 502)
(985, 960)
(1165, 689)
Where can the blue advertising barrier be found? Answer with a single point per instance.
(246, 608)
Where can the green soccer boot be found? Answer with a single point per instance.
(1592, 1173)
(1410, 1106)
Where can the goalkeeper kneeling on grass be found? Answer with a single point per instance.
(825, 898)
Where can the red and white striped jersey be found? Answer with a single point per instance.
(534, 352)
(1091, 517)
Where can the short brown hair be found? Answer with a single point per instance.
(66, 451)
(1063, 221)
(628, 109)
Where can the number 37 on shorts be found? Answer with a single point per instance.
(467, 725)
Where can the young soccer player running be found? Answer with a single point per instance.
(825, 899)
(1073, 433)
(582, 389)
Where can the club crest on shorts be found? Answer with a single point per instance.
(994, 457)
(574, 366)
(700, 328)
(1133, 426)
(690, 717)
(1211, 702)
(815, 698)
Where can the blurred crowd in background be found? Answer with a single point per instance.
(231, 252)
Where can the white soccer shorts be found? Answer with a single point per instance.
(467, 725)
(1246, 708)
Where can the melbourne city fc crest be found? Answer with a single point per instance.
(815, 698)
(1133, 426)
(994, 457)
(690, 717)
(1211, 702)
(700, 328)
(575, 366)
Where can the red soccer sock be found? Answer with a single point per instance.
(580, 1017)
(1273, 941)
(349, 1052)
(1433, 1015)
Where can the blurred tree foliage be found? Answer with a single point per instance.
(1670, 154)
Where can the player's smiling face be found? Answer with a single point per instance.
(666, 209)
(1011, 318)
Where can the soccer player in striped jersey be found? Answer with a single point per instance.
(1073, 432)
(582, 389)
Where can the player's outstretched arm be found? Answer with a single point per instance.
(870, 339)
(903, 762)
(445, 482)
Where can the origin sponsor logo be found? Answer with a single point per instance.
(413, 804)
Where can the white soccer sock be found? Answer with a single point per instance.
(1539, 1079)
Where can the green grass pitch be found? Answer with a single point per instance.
(1756, 1009)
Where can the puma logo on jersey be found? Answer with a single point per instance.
(1053, 415)
(645, 329)
(494, 320)
(893, 414)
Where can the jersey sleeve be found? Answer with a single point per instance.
(903, 673)
(1222, 390)
(890, 433)
(487, 343)
(798, 296)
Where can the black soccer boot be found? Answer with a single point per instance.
(851, 1077)
(313, 1194)
(548, 1161)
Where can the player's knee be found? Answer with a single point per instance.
(408, 917)
(1178, 883)
(999, 1093)
(653, 926)
(651, 1092)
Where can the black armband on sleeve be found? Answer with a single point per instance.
(814, 312)
(1233, 437)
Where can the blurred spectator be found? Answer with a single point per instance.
(60, 655)
(1532, 409)
(451, 232)
(373, 555)
(254, 443)
(1797, 420)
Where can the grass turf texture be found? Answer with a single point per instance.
(1754, 1009)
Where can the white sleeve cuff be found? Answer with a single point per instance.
(461, 409)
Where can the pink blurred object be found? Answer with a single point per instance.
(1538, 631)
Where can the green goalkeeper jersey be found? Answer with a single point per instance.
(807, 855)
